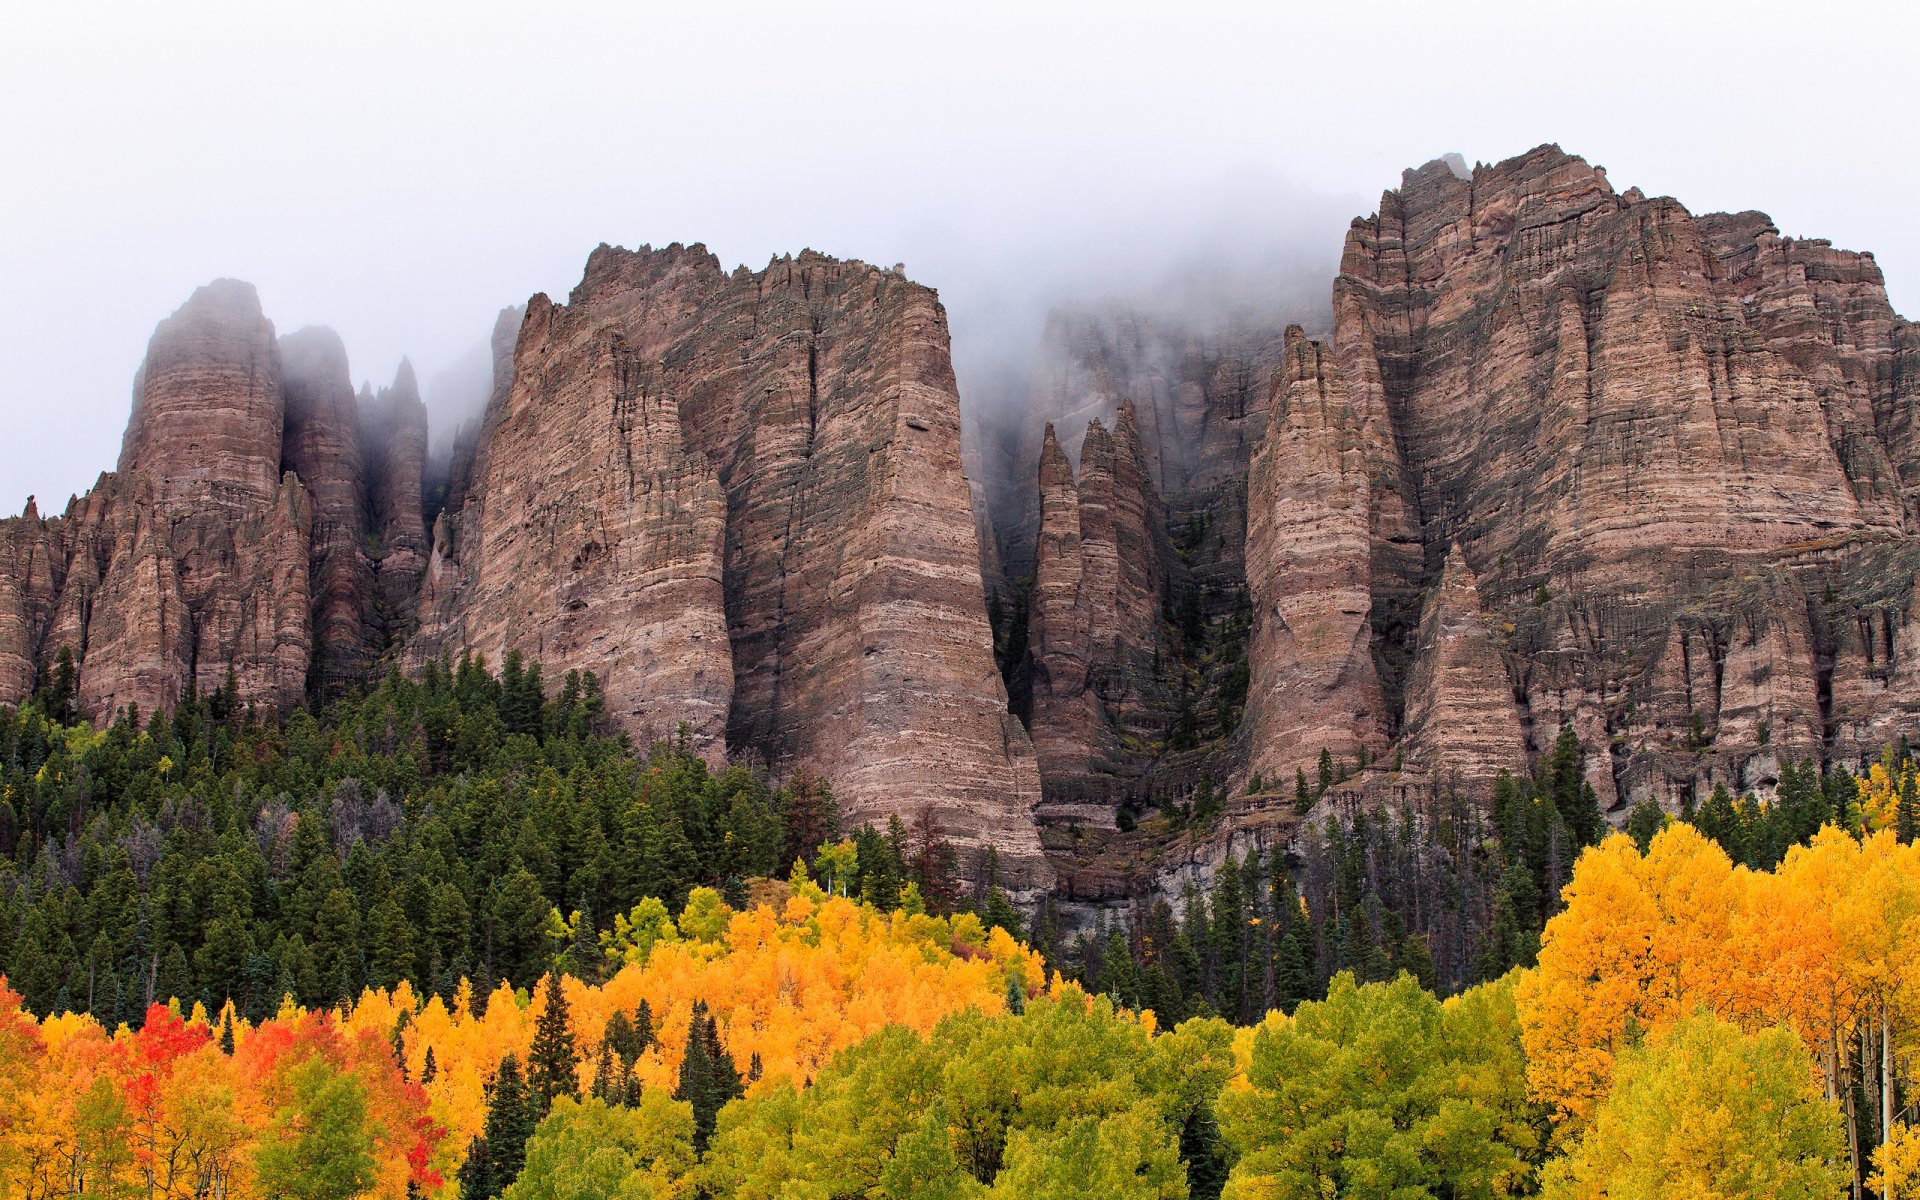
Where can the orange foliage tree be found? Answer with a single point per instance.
(1827, 945)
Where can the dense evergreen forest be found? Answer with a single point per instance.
(467, 825)
(451, 937)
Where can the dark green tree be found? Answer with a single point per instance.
(553, 1063)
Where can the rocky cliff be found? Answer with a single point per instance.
(735, 497)
(1641, 472)
(738, 497)
(1130, 683)
(190, 565)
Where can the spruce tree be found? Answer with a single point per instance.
(583, 956)
(609, 1076)
(476, 1172)
(494, 1159)
(553, 1064)
(708, 1076)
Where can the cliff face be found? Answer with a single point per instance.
(233, 544)
(1310, 572)
(1098, 688)
(1122, 615)
(393, 426)
(322, 446)
(193, 560)
(741, 495)
(1673, 454)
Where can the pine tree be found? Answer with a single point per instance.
(553, 1064)
(609, 1076)
(476, 1172)
(511, 1118)
(1204, 1152)
(708, 1076)
(583, 956)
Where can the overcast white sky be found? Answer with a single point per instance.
(401, 170)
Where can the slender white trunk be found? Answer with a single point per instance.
(1886, 1090)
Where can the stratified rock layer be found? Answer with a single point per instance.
(1677, 453)
(1310, 572)
(192, 563)
(1132, 700)
(1095, 611)
(1460, 715)
(770, 461)
(322, 446)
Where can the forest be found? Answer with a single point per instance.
(448, 937)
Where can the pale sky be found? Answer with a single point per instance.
(402, 170)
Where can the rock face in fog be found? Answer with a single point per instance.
(1161, 415)
(192, 561)
(393, 426)
(233, 542)
(322, 446)
(1644, 473)
(1310, 571)
(738, 497)
(1096, 606)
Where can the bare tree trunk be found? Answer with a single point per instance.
(1853, 1119)
(1886, 1091)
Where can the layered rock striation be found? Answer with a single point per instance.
(739, 498)
(1671, 453)
(1154, 418)
(232, 547)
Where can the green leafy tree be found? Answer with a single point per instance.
(588, 1150)
(1707, 1110)
(1381, 1091)
(317, 1146)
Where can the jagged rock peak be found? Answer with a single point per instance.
(207, 409)
(1460, 716)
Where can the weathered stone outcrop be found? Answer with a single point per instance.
(1199, 391)
(393, 427)
(1187, 393)
(1095, 612)
(594, 541)
(774, 458)
(1461, 721)
(31, 561)
(1676, 451)
(1310, 573)
(207, 408)
(322, 446)
(191, 564)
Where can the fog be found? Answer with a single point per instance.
(402, 172)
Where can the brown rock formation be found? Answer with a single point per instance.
(1677, 451)
(1461, 721)
(1310, 573)
(322, 446)
(594, 541)
(200, 544)
(30, 554)
(1097, 686)
(393, 427)
(207, 408)
(801, 425)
